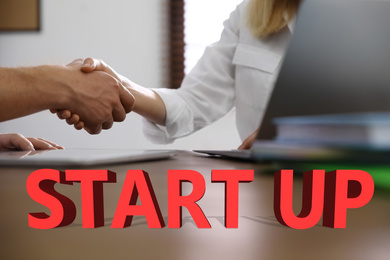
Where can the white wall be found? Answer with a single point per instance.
(201, 32)
(128, 35)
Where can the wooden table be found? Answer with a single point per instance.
(259, 235)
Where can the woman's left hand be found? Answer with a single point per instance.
(247, 144)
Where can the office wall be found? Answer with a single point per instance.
(130, 36)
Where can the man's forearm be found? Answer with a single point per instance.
(17, 95)
(25, 91)
(97, 98)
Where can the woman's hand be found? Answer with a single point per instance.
(247, 144)
(90, 65)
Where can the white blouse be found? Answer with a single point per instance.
(238, 71)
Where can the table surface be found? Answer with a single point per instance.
(258, 236)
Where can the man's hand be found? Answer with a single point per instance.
(145, 101)
(96, 99)
(149, 104)
(71, 119)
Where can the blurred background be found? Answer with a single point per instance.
(132, 37)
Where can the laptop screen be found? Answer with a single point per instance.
(338, 61)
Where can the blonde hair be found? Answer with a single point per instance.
(267, 17)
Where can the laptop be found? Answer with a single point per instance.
(338, 61)
(81, 157)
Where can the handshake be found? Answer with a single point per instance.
(86, 93)
(94, 97)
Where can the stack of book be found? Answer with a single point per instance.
(363, 137)
(343, 141)
(343, 130)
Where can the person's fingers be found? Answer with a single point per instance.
(23, 145)
(74, 119)
(54, 111)
(41, 144)
(51, 143)
(108, 124)
(88, 65)
(244, 145)
(91, 64)
(75, 63)
(93, 130)
(16, 142)
(79, 125)
(64, 114)
(118, 113)
(247, 144)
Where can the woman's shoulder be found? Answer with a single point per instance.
(241, 9)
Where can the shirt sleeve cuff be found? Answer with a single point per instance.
(179, 121)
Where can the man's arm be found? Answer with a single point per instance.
(98, 98)
(18, 92)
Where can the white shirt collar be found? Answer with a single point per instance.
(291, 25)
